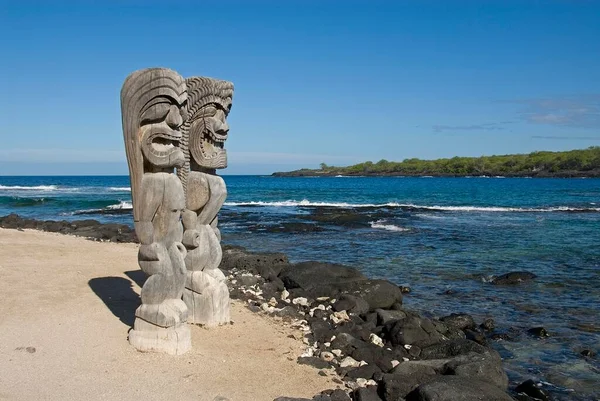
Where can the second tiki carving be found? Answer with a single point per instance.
(204, 134)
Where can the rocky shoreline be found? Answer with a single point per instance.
(355, 329)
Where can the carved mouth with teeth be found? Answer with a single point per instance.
(212, 144)
(163, 144)
(208, 147)
(160, 147)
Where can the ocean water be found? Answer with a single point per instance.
(444, 237)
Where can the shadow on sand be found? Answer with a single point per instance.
(118, 294)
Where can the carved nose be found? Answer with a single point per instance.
(174, 119)
(223, 128)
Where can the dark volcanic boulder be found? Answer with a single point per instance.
(486, 367)
(319, 279)
(387, 316)
(413, 330)
(268, 265)
(538, 332)
(12, 220)
(351, 304)
(513, 278)
(460, 321)
(404, 379)
(379, 294)
(449, 349)
(88, 228)
(534, 391)
(366, 394)
(454, 388)
(316, 279)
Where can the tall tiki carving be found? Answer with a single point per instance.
(204, 134)
(153, 104)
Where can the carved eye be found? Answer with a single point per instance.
(207, 111)
(156, 112)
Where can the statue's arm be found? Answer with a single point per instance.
(191, 235)
(152, 195)
(152, 254)
(218, 194)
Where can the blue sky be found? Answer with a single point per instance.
(316, 81)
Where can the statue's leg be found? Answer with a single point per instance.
(160, 323)
(205, 289)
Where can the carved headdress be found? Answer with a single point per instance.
(205, 130)
(151, 105)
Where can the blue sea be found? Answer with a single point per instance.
(445, 238)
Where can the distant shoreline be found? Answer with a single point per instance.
(579, 163)
(545, 174)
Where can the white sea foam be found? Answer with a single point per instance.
(389, 227)
(487, 209)
(430, 216)
(120, 189)
(121, 205)
(32, 188)
(501, 209)
(305, 202)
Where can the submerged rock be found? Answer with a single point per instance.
(530, 388)
(539, 332)
(513, 278)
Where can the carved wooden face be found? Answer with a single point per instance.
(208, 134)
(159, 132)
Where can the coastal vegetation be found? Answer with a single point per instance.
(572, 163)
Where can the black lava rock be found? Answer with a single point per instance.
(448, 349)
(460, 321)
(453, 388)
(413, 330)
(352, 304)
(530, 388)
(366, 394)
(488, 325)
(513, 278)
(404, 379)
(257, 263)
(539, 332)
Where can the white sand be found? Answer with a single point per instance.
(81, 351)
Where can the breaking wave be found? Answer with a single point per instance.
(388, 227)
(307, 203)
(29, 188)
(120, 189)
(119, 208)
(410, 206)
(121, 205)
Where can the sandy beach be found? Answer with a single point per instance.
(68, 304)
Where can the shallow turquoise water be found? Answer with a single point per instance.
(433, 234)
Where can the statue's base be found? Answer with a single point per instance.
(147, 337)
(210, 308)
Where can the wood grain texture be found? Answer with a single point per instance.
(204, 134)
(152, 101)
